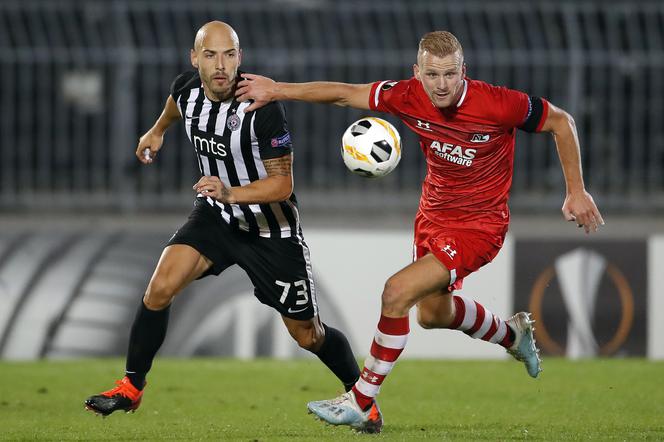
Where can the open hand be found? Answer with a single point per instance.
(257, 88)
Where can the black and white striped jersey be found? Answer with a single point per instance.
(232, 145)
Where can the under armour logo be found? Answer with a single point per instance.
(449, 250)
(423, 125)
(369, 377)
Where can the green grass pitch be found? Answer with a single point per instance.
(215, 399)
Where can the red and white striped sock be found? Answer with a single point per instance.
(388, 343)
(479, 323)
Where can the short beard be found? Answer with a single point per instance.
(225, 94)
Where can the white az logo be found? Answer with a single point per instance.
(479, 138)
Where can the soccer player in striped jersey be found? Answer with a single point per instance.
(467, 132)
(245, 213)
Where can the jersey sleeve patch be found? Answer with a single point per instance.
(537, 113)
(271, 128)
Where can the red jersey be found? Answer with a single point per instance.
(469, 148)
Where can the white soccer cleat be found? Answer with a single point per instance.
(344, 410)
(524, 348)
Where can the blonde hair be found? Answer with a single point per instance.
(440, 44)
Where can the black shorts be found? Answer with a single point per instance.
(279, 268)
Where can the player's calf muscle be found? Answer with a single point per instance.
(428, 319)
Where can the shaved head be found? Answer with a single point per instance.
(213, 30)
(217, 56)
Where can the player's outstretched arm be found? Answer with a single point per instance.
(277, 186)
(263, 90)
(151, 141)
(579, 205)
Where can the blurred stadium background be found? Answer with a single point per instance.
(82, 223)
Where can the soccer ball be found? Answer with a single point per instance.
(371, 147)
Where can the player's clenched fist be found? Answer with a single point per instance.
(213, 187)
(581, 208)
(148, 146)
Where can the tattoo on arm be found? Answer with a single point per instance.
(279, 166)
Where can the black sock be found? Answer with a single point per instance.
(512, 334)
(147, 335)
(337, 355)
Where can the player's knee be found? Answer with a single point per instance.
(308, 337)
(159, 294)
(394, 295)
(308, 341)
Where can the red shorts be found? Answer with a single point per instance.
(462, 251)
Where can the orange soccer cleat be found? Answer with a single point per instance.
(123, 397)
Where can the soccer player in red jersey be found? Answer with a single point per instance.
(467, 131)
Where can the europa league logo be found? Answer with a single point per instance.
(579, 274)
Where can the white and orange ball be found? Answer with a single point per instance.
(371, 147)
